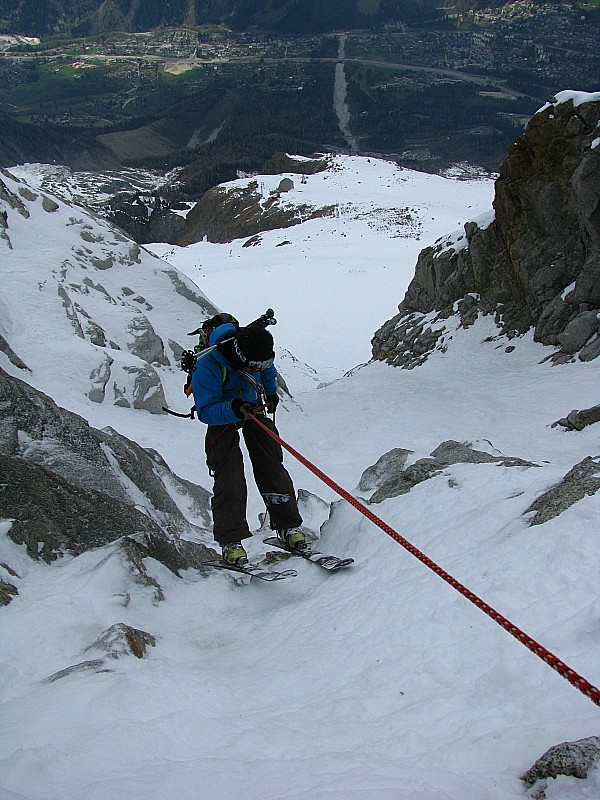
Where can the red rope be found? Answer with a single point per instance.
(588, 689)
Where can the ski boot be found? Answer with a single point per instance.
(294, 539)
(234, 555)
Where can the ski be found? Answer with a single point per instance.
(253, 571)
(331, 563)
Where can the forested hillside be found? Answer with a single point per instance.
(82, 17)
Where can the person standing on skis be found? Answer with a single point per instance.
(227, 383)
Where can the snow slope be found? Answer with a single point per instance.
(333, 281)
(92, 315)
(380, 682)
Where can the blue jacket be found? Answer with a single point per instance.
(215, 383)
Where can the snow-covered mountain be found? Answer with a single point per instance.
(78, 329)
(333, 277)
(85, 309)
(379, 682)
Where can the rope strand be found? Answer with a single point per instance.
(584, 686)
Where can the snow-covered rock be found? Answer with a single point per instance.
(87, 310)
(70, 487)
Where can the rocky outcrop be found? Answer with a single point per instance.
(582, 480)
(175, 554)
(12, 201)
(282, 162)
(389, 477)
(71, 487)
(118, 641)
(121, 639)
(145, 344)
(12, 356)
(388, 465)
(578, 420)
(225, 213)
(534, 264)
(573, 759)
(7, 592)
(146, 219)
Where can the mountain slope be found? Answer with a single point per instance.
(111, 310)
(379, 682)
(356, 229)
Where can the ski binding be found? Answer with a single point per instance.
(331, 563)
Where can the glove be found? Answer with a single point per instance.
(272, 402)
(241, 408)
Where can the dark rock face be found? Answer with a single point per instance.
(64, 483)
(282, 162)
(146, 222)
(537, 264)
(224, 214)
(7, 592)
(52, 516)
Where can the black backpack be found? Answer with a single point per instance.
(189, 357)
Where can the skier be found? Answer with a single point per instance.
(227, 383)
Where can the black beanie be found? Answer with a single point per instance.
(254, 343)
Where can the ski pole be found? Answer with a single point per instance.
(584, 686)
(266, 319)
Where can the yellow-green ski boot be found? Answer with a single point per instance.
(294, 539)
(234, 555)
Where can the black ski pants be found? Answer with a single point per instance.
(225, 461)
